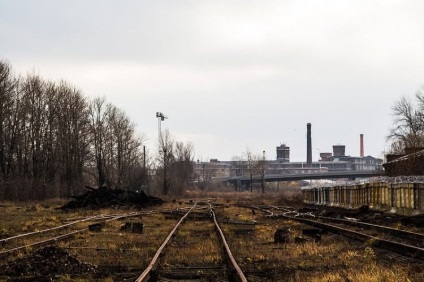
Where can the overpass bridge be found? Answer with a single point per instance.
(240, 181)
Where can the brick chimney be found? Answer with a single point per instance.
(308, 146)
(361, 150)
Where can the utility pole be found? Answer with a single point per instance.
(263, 172)
(146, 175)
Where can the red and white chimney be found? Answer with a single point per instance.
(361, 150)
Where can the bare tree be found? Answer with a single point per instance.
(115, 146)
(98, 114)
(182, 166)
(126, 152)
(174, 167)
(419, 96)
(261, 168)
(251, 166)
(237, 163)
(407, 130)
(34, 90)
(72, 135)
(8, 86)
(204, 175)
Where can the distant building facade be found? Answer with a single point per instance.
(224, 169)
(335, 161)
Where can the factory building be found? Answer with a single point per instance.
(339, 150)
(335, 161)
(283, 153)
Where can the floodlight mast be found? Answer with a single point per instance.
(161, 117)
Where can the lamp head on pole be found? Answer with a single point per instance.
(161, 116)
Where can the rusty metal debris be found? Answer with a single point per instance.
(135, 227)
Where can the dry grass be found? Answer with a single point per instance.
(334, 258)
(194, 246)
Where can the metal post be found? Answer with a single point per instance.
(161, 117)
(263, 172)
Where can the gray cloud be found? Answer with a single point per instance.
(231, 74)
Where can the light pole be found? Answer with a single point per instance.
(162, 147)
(161, 117)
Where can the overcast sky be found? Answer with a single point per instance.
(231, 75)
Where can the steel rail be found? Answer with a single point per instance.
(401, 233)
(61, 237)
(394, 246)
(154, 262)
(240, 275)
(47, 230)
(94, 217)
(44, 242)
(400, 248)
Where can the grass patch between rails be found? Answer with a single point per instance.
(196, 243)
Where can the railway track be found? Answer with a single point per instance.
(173, 260)
(405, 243)
(195, 250)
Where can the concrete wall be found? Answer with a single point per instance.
(406, 197)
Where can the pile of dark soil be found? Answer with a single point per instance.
(104, 197)
(47, 262)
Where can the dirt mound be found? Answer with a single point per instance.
(48, 262)
(104, 197)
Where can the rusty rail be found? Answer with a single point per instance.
(44, 242)
(48, 230)
(58, 238)
(90, 218)
(401, 233)
(397, 247)
(418, 237)
(240, 275)
(145, 276)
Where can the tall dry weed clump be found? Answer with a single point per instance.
(291, 196)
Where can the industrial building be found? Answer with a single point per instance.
(334, 161)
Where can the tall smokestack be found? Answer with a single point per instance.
(308, 145)
(361, 150)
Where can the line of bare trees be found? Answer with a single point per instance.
(53, 140)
